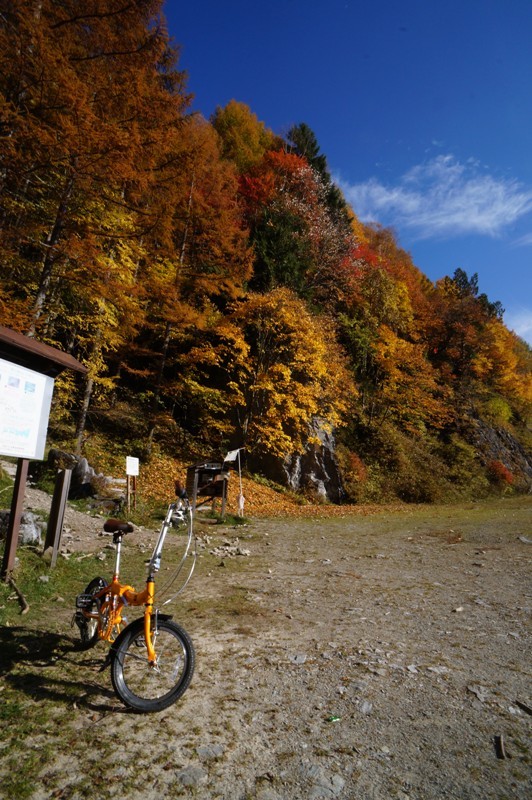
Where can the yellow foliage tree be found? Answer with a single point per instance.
(503, 363)
(287, 369)
(244, 139)
(261, 374)
(409, 389)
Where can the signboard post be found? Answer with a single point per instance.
(132, 471)
(54, 528)
(14, 517)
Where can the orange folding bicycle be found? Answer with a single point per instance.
(152, 658)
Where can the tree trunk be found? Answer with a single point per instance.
(49, 258)
(169, 325)
(82, 418)
(89, 386)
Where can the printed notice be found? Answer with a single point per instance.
(132, 466)
(25, 399)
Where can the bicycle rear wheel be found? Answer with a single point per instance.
(88, 626)
(148, 688)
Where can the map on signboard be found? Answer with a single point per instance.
(25, 399)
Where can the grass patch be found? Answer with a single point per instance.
(227, 519)
(6, 489)
(44, 587)
(20, 777)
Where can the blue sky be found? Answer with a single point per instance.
(423, 109)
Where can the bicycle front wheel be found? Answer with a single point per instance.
(144, 687)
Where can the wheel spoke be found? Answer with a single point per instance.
(135, 657)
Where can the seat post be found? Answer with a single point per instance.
(117, 539)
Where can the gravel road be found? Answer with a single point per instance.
(376, 657)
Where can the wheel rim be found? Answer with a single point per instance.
(154, 682)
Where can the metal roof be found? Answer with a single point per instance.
(28, 352)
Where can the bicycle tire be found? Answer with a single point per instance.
(146, 688)
(88, 628)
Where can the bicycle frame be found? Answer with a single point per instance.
(112, 598)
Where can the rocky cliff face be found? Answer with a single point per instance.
(498, 444)
(315, 471)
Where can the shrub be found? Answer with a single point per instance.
(353, 471)
(499, 474)
(497, 410)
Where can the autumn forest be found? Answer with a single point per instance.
(218, 287)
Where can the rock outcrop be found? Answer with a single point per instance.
(498, 444)
(85, 482)
(315, 471)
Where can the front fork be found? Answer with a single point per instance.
(150, 625)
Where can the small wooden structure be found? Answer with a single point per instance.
(29, 353)
(207, 479)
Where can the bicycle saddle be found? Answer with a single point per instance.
(117, 526)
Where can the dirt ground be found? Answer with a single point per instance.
(371, 658)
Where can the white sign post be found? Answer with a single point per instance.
(132, 471)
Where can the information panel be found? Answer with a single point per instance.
(25, 399)
(132, 466)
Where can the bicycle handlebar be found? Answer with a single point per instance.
(180, 490)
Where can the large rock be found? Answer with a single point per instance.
(85, 482)
(30, 530)
(315, 471)
(60, 459)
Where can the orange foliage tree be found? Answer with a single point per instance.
(84, 149)
(192, 280)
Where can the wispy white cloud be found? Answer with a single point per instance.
(520, 321)
(442, 198)
(524, 241)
